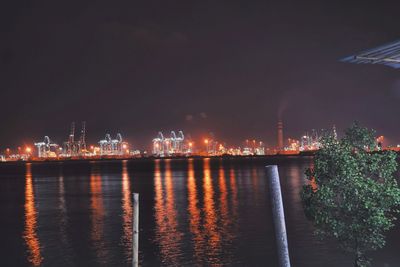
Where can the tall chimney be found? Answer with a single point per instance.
(280, 135)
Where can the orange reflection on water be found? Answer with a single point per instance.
(30, 235)
(194, 211)
(127, 210)
(97, 209)
(223, 199)
(226, 218)
(234, 192)
(166, 216)
(159, 199)
(210, 226)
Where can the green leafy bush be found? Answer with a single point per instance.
(352, 194)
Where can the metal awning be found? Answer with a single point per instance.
(388, 54)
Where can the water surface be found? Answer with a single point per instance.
(193, 212)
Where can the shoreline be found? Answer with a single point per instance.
(66, 160)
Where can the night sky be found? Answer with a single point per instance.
(225, 67)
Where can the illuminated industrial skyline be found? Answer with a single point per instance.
(174, 144)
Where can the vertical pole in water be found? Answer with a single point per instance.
(135, 232)
(278, 215)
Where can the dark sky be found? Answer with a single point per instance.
(226, 67)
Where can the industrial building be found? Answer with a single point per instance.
(308, 142)
(253, 148)
(113, 147)
(174, 145)
(75, 148)
(47, 149)
(211, 147)
(311, 142)
(280, 144)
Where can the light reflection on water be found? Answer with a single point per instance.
(212, 235)
(223, 198)
(167, 232)
(30, 234)
(234, 192)
(127, 211)
(63, 214)
(210, 222)
(97, 216)
(194, 212)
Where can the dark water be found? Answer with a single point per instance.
(211, 212)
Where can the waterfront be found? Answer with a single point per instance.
(192, 212)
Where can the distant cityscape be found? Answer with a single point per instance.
(175, 144)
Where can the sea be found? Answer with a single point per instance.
(192, 212)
